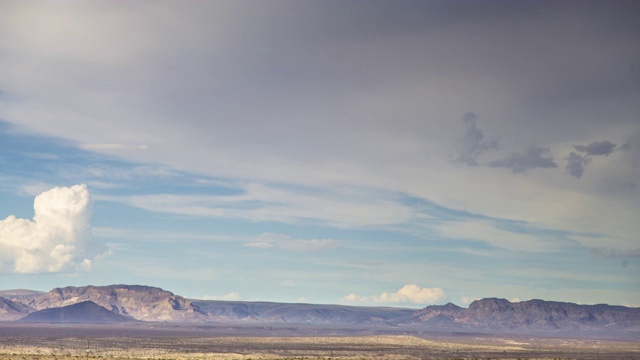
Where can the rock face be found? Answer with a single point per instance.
(537, 315)
(82, 312)
(138, 302)
(12, 310)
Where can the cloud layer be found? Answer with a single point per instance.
(58, 239)
(409, 293)
(340, 117)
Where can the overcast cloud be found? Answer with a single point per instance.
(307, 118)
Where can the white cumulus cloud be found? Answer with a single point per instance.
(409, 293)
(58, 239)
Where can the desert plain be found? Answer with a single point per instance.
(211, 341)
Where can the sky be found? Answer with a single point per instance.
(380, 153)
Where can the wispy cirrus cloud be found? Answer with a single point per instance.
(285, 242)
(611, 253)
(112, 147)
(488, 232)
(257, 202)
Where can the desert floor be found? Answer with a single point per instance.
(37, 341)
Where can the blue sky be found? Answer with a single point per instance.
(405, 153)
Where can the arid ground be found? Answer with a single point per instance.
(173, 341)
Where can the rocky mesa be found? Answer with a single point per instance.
(139, 302)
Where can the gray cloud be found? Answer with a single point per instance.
(533, 157)
(472, 144)
(576, 164)
(596, 148)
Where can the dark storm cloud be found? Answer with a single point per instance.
(472, 144)
(533, 157)
(596, 148)
(576, 164)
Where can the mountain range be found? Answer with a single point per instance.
(121, 303)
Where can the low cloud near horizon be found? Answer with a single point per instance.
(58, 239)
(228, 297)
(409, 293)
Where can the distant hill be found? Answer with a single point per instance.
(82, 312)
(20, 293)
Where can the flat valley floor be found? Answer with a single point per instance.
(190, 341)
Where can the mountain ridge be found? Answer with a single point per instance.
(148, 303)
(141, 302)
(536, 314)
